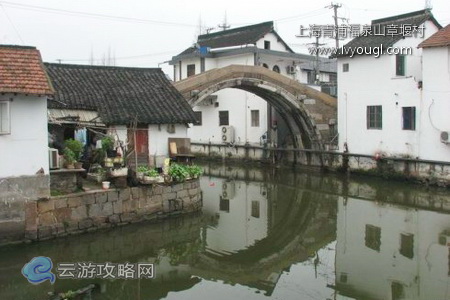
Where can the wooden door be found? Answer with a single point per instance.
(140, 138)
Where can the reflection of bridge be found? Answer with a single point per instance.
(283, 93)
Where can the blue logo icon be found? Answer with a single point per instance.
(38, 270)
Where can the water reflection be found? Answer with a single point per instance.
(269, 234)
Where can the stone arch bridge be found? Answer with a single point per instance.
(306, 111)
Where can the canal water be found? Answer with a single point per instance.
(267, 234)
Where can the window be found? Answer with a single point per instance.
(267, 45)
(276, 69)
(198, 118)
(374, 117)
(5, 117)
(407, 245)
(397, 290)
(400, 65)
(345, 67)
(373, 237)
(409, 118)
(266, 66)
(255, 209)
(190, 70)
(223, 118)
(255, 118)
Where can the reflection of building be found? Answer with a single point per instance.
(391, 252)
(241, 211)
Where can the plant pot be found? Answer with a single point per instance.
(70, 166)
(119, 172)
(105, 185)
(140, 175)
(78, 165)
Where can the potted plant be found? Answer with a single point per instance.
(194, 171)
(77, 148)
(69, 158)
(178, 172)
(151, 175)
(141, 171)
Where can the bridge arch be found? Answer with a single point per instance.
(285, 94)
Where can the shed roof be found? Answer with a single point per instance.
(120, 95)
(439, 39)
(21, 71)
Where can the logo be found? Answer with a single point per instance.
(39, 270)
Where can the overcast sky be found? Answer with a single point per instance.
(145, 33)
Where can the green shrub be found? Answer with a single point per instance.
(151, 173)
(69, 156)
(194, 171)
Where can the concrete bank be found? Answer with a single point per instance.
(59, 216)
(416, 170)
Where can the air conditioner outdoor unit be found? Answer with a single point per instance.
(228, 190)
(227, 133)
(53, 158)
(290, 69)
(445, 137)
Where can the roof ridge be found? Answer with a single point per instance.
(237, 29)
(403, 16)
(18, 47)
(75, 66)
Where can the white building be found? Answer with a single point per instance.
(379, 98)
(248, 115)
(435, 105)
(24, 89)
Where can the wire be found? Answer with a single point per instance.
(126, 57)
(12, 24)
(91, 15)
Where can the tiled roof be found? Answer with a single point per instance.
(246, 35)
(414, 18)
(21, 71)
(120, 95)
(439, 39)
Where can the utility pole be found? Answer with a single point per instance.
(316, 60)
(335, 7)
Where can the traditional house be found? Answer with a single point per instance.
(247, 115)
(139, 106)
(435, 124)
(380, 90)
(24, 169)
(24, 89)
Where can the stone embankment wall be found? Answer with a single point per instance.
(89, 211)
(417, 170)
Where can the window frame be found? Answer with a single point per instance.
(400, 65)
(410, 112)
(221, 118)
(254, 118)
(377, 121)
(266, 44)
(6, 131)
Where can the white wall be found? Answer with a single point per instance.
(372, 81)
(369, 272)
(275, 44)
(158, 141)
(435, 103)
(25, 150)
